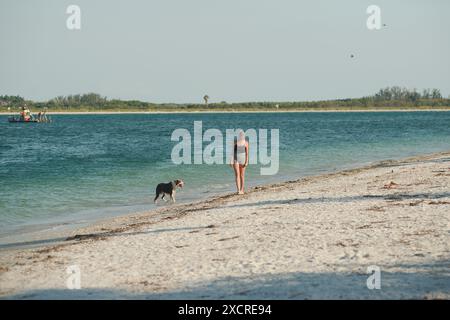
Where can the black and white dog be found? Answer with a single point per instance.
(168, 189)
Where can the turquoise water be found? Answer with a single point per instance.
(84, 167)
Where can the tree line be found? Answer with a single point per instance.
(403, 94)
(6, 101)
(390, 97)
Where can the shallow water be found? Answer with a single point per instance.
(85, 167)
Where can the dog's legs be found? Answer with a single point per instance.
(156, 198)
(164, 197)
(172, 196)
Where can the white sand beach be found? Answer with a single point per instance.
(312, 238)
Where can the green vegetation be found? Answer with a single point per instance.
(11, 102)
(385, 99)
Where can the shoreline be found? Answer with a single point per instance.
(120, 222)
(36, 236)
(275, 211)
(236, 111)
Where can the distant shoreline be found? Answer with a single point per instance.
(237, 111)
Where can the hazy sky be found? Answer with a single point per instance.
(232, 50)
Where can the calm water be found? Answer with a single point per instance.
(83, 167)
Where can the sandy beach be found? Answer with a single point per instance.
(312, 238)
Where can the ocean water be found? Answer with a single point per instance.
(86, 167)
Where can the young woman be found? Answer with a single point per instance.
(240, 161)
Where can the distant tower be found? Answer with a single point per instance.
(206, 98)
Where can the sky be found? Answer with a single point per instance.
(233, 50)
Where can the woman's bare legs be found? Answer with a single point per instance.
(242, 176)
(237, 176)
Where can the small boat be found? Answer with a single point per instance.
(27, 117)
(13, 119)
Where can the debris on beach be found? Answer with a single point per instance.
(230, 238)
(91, 236)
(391, 185)
(439, 202)
(376, 208)
(415, 203)
(442, 174)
